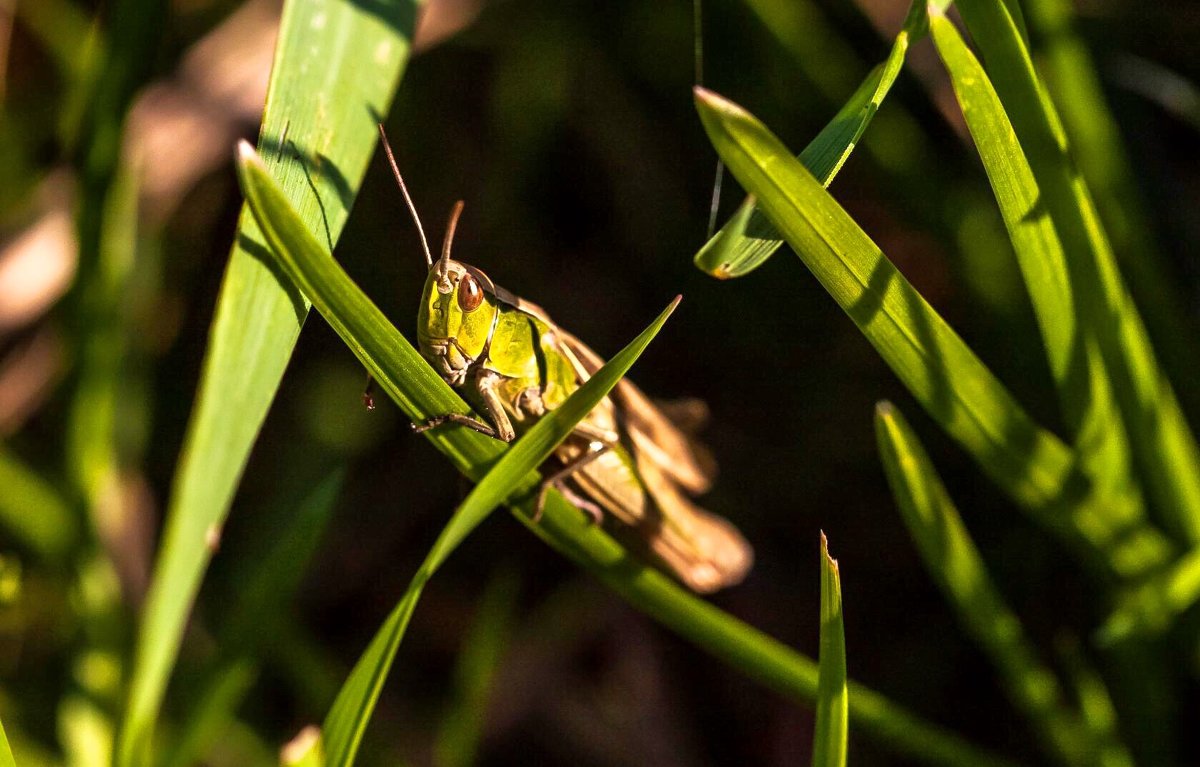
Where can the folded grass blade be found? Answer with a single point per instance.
(748, 239)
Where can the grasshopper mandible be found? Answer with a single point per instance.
(512, 363)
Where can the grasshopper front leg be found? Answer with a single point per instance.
(501, 427)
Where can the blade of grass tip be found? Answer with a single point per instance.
(748, 239)
(951, 558)
(1083, 389)
(830, 744)
(327, 96)
(1025, 460)
(743, 647)
(514, 473)
(1164, 446)
(421, 392)
(479, 657)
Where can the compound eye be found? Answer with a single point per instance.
(470, 295)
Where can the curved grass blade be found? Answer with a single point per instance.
(513, 474)
(1075, 365)
(1164, 446)
(1029, 463)
(748, 239)
(421, 393)
(336, 67)
(830, 744)
(954, 563)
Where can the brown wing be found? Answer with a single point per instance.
(652, 433)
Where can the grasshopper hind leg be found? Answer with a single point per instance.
(558, 479)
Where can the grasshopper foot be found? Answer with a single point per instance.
(458, 418)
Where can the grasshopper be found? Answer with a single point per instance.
(513, 364)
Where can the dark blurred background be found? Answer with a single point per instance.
(569, 130)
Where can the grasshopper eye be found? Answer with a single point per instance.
(470, 295)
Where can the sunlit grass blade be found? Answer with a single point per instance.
(513, 474)
(1165, 449)
(953, 561)
(335, 70)
(749, 239)
(1079, 376)
(1074, 80)
(32, 511)
(1026, 461)
(1148, 609)
(6, 757)
(830, 743)
(479, 658)
(267, 579)
(421, 393)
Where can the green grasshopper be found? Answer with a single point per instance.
(513, 364)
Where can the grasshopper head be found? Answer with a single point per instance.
(455, 319)
(458, 311)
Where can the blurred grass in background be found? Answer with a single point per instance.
(570, 131)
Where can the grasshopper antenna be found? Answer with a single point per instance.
(450, 227)
(387, 148)
(698, 56)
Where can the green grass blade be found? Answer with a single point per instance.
(1078, 372)
(266, 582)
(514, 473)
(954, 563)
(748, 239)
(1074, 81)
(419, 391)
(830, 744)
(1164, 447)
(6, 757)
(1029, 463)
(332, 79)
(32, 510)
(479, 658)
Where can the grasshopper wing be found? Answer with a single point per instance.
(652, 433)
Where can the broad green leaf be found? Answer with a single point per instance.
(1164, 448)
(830, 744)
(336, 67)
(1075, 364)
(421, 393)
(954, 562)
(749, 239)
(1026, 461)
